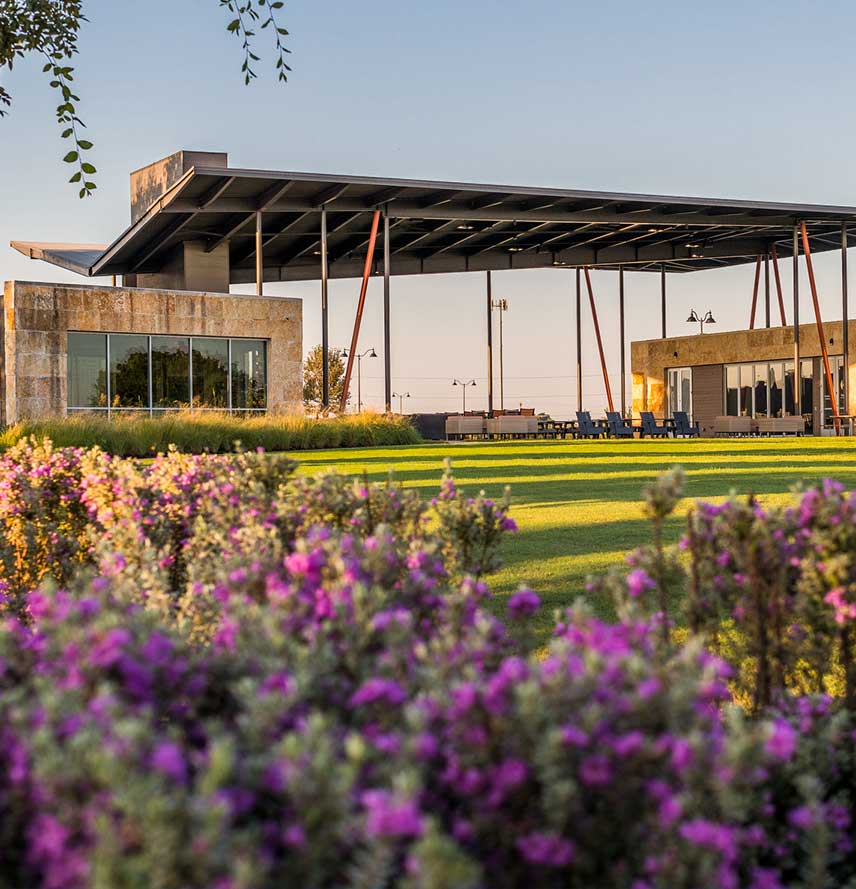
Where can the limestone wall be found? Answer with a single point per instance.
(37, 318)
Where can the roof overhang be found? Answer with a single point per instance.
(442, 227)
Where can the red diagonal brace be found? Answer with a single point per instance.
(833, 392)
(599, 342)
(352, 352)
(782, 314)
(755, 294)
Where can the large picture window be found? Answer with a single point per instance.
(120, 372)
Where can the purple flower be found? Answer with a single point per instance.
(711, 835)
(523, 604)
(378, 689)
(169, 760)
(781, 740)
(387, 816)
(638, 583)
(548, 849)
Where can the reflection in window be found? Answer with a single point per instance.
(129, 371)
(777, 386)
(87, 370)
(746, 380)
(210, 373)
(790, 405)
(249, 377)
(761, 390)
(170, 372)
(807, 388)
(732, 393)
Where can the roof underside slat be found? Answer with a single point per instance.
(444, 227)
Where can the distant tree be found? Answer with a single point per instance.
(313, 377)
(49, 29)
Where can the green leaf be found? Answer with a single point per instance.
(76, 177)
(84, 144)
(88, 168)
(90, 185)
(83, 192)
(71, 157)
(67, 133)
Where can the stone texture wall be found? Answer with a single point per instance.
(649, 359)
(37, 318)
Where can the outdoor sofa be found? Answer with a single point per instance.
(460, 427)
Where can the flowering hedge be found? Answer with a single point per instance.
(254, 680)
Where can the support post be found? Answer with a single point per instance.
(767, 288)
(355, 336)
(755, 294)
(779, 292)
(489, 346)
(623, 348)
(663, 296)
(830, 384)
(797, 371)
(599, 342)
(845, 317)
(387, 338)
(260, 265)
(579, 346)
(325, 315)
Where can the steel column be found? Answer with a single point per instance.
(623, 349)
(325, 315)
(833, 389)
(599, 341)
(489, 346)
(845, 316)
(387, 357)
(663, 296)
(579, 346)
(797, 372)
(755, 294)
(779, 292)
(355, 336)
(767, 288)
(260, 265)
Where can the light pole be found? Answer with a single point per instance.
(464, 383)
(369, 353)
(695, 319)
(401, 396)
(502, 305)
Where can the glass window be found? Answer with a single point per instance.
(249, 374)
(836, 366)
(746, 382)
(777, 389)
(807, 388)
(87, 370)
(210, 373)
(673, 391)
(732, 393)
(761, 384)
(129, 371)
(790, 406)
(170, 372)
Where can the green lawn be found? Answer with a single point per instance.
(577, 503)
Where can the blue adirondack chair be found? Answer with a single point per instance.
(586, 427)
(617, 427)
(650, 427)
(683, 427)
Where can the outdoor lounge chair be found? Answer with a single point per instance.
(683, 427)
(650, 427)
(586, 427)
(617, 426)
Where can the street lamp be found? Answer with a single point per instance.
(502, 305)
(464, 383)
(369, 353)
(695, 319)
(401, 396)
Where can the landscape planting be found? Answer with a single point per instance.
(217, 672)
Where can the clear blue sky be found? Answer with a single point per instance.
(725, 99)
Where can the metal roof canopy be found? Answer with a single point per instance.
(442, 227)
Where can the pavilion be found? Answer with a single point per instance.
(199, 225)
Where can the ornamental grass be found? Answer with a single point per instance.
(136, 435)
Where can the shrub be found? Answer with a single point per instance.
(211, 432)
